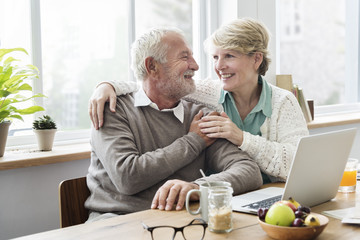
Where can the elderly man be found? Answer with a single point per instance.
(149, 152)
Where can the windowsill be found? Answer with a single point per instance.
(334, 120)
(28, 157)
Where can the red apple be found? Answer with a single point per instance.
(288, 203)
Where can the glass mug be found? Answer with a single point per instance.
(203, 195)
(348, 181)
(220, 209)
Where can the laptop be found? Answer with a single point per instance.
(314, 176)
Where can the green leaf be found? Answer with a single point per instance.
(10, 60)
(17, 116)
(4, 93)
(4, 51)
(33, 68)
(5, 76)
(39, 95)
(4, 114)
(30, 110)
(25, 86)
(5, 105)
(11, 82)
(19, 98)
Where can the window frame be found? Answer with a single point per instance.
(352, 74)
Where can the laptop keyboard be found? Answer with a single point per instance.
(266, 203)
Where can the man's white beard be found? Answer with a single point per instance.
(176, 87)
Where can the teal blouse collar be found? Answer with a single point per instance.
(264, 103)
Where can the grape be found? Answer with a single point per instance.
(304, 209)
(262, 213)
(300, 214)
(298, 222)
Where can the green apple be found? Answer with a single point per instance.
(280, 214)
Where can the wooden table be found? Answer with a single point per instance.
(245, 226)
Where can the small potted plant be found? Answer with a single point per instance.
(45, 129)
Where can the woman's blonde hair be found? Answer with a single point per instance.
(245, 35)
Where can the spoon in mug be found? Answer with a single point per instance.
(203, 174)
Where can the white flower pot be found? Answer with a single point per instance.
(45, 138)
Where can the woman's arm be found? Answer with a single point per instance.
(124, 87)
(207, 93)
(274, 150)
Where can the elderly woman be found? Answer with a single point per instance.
(261, 119)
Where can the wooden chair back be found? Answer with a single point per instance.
(72, 196)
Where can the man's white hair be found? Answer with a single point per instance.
(150, 44)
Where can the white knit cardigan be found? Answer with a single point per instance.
(274, 149)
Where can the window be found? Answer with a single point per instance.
(318, 47)
(291, 20)
(82, 43)
(16, 16)
(18, 12)
(81, 46)
(77, 44)
(151, 13)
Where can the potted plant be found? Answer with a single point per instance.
(45, 129)
(12, 84)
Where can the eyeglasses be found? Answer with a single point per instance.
(195, 230)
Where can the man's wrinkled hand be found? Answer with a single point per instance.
(194, 127)
(171, 193)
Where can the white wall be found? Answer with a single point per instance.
(29, 197)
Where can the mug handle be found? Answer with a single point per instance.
(188, 200)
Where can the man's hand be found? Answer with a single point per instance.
(173, 191)
(215, 126)
(194, 127)
(103, 93)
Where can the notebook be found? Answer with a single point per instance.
(315, 173)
